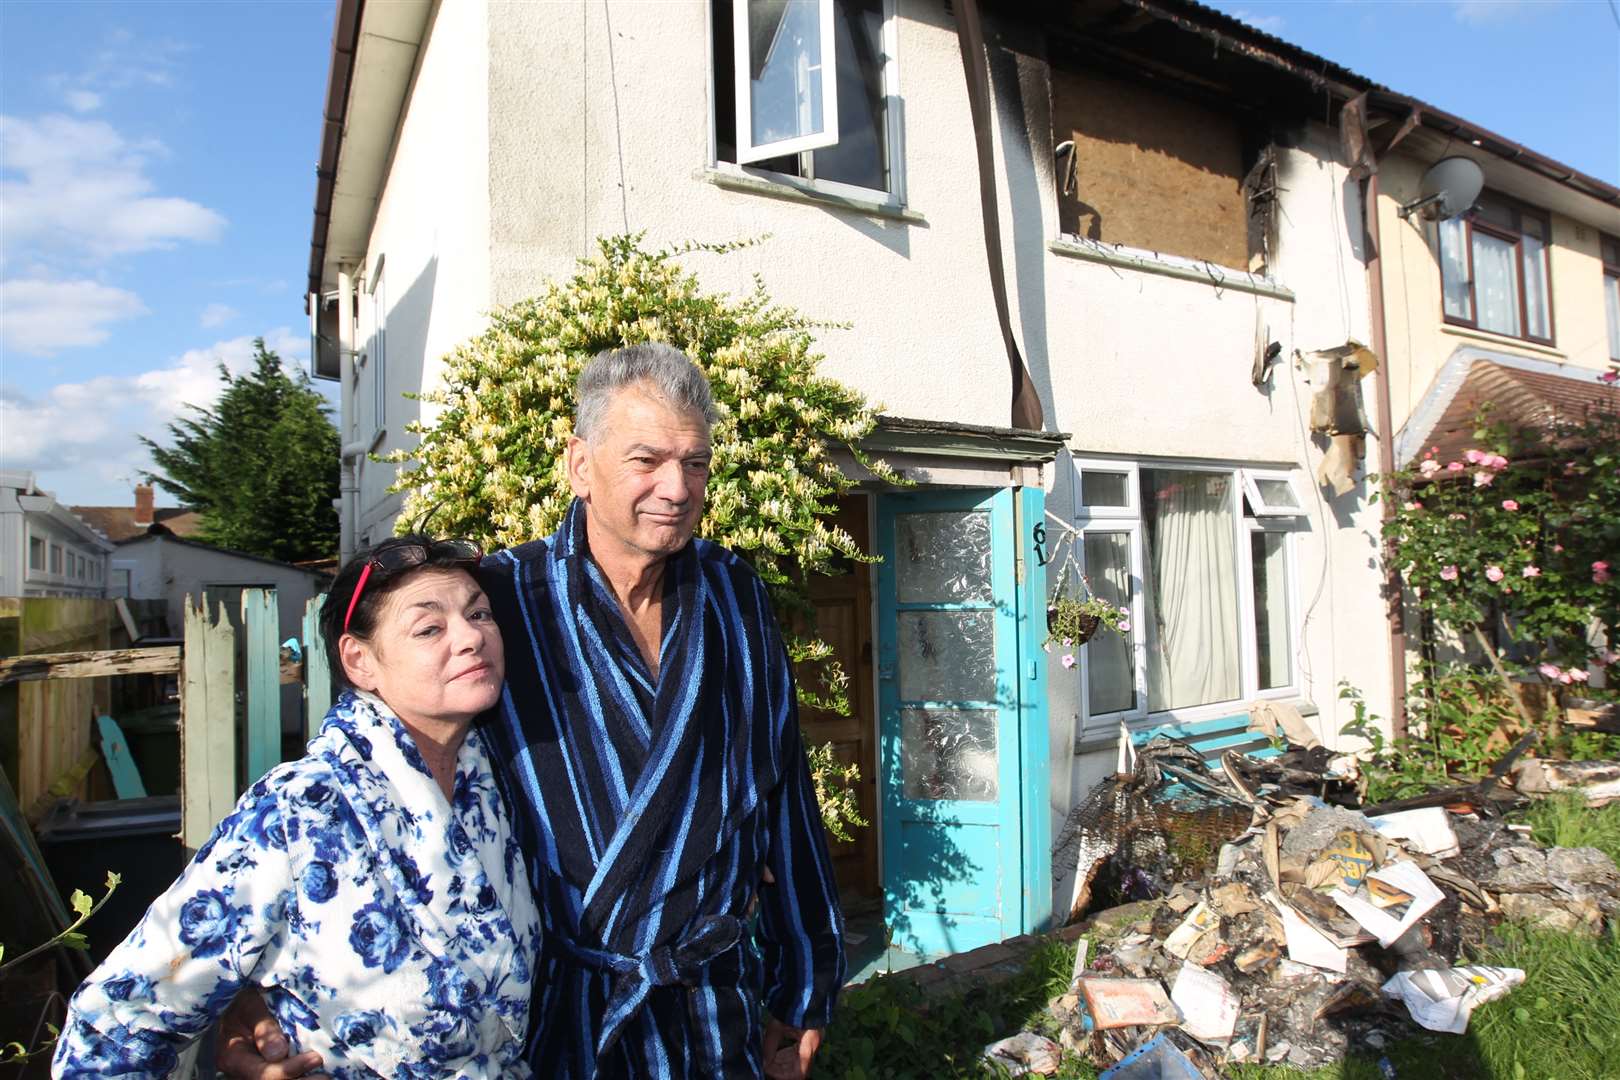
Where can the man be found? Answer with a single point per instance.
(654, 764)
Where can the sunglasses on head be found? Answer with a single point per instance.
(392, 560)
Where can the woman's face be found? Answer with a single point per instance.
(435, 654)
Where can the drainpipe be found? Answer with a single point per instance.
(349, 482)
(1386, 453)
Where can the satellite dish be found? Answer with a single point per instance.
(1449, 188)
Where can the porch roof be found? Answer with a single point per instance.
(946, 438)
(1520, 390)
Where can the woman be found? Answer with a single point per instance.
(372, 889)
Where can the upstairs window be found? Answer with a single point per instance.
(56, 559)
(1611, 293)
(786, 103)
(36, 553)
(1493, 266)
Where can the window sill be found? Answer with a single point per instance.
(1217, 277)
(780, 189)
(1506, 340)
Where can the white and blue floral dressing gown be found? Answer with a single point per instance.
(391, 931)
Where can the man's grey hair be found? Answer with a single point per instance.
(663, 370)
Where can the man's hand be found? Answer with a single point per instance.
(252, 1046)
(789, 1050)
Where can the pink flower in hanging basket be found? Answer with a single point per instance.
(1068, 660)
(1124, 626)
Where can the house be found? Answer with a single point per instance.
(1180, 242)
(45, 549)
(120, 523)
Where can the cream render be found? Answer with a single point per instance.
(531, 129)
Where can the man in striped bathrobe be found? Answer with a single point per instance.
(654, 762)
(649, 748)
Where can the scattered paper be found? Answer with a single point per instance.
(1026, 1054)
(1209, 1008)
(1200, 920)
(1353, 857)
(1427, 830)
(1081, 949)
(1391, 901)
(1126, 1002)
(1444, 998)
(1306, 944)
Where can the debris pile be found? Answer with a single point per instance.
(1318, 929)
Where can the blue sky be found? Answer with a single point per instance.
(158, 164)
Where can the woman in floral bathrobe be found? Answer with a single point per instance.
(371, 889)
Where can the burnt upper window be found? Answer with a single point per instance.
(842, 141)
(1493, 268)
(1154, 170)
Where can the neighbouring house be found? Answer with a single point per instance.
(120, 523)
(1183, 251)
(45, 548)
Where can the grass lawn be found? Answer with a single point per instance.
(1563, 1023)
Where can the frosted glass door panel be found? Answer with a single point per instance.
(947, 655)
(949, 754)
(942, 558)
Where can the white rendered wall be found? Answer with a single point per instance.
(432, 236)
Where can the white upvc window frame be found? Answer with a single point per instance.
(894, 129)
(377, 348)
(1259, 505)
(1129, 520)
(741, 64)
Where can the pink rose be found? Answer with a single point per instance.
(1558, 549)
(1473, 457)
(1611, 377)
(1567, 677)
(1429, 467)
(1494, 573)
(1483, 478)
(1578, 675)
(1600, 572)
(1609, 656)
(1068, 660)
(1531, 571)
(1496, 461)
(1552, 671)
(1448, 573)
(1412, 504)
(1510, 504)
(1458, 517)
(1454, 466)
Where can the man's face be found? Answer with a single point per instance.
(642, 476)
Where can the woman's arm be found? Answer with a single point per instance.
(196, 946)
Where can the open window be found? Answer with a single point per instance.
(806, 89)
(1271, 494)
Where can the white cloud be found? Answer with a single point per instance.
(1271, 24)
(78, 187)
(39, 316)
(83, 101)
(216, 315)
(83, 437)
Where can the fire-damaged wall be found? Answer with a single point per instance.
(1152, 170)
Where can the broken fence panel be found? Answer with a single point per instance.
(317, 675)
(262, 653)
(208, 724)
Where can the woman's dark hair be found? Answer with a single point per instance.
(382, 580)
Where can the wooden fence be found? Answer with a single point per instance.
(230, 712)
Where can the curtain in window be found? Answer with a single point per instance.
(1496, 283)
(1191, 598)
(1109, 671)
(1454, 267)
(1269, 560)
(1535, 287)
(1611, 299)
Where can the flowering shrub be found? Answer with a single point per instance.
(491, 464)
(1521, 532)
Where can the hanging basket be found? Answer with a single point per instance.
(1087, 627)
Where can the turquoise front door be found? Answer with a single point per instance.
(958, 694)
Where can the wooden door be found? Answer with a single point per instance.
(844, 620)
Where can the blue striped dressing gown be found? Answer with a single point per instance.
(649, 809)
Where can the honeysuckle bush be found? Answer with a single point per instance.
(490, 462)
(1521, 533)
